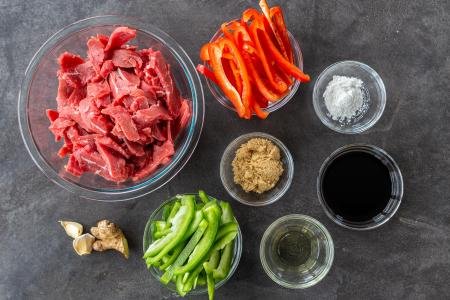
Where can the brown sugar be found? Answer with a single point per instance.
(257, 166)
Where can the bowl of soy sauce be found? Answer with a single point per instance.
(360, 186)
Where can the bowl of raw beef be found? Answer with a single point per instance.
(111, 108)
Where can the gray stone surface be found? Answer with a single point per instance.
(407, 42)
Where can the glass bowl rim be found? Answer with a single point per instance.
(364, 126)
(373, 150)
(310, 220)
(289, 168)
(276, 105)
(236, 259)
(164, 173)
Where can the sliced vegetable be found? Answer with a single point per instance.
(212, 215)
(277, 18)
(220, 244)
(227, 212)
(226, 229)
(215, 55)
(266, 11)
(180, 223)
(167, 276)
(203, 197)
(257, 27)
(166, 211)
(176, 252)
(202, 69)
(198, 217)
(225, 262)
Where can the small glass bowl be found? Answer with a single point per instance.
(251, 198)
(396, 189)
(317, 264)
(157, 273)
(373, 88)
(39, 89)
(273, 106)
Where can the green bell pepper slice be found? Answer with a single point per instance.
(225, 262)
(175, 207)
(198, 217)
(209, 267)
(179, 285)
(212, 214)
(203, 196)
(167, 276)
(227, 213)
(225, 229)
(176, 251)
(228, 238)
(180, 224)
(166, 211)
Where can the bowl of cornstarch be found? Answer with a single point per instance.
(349, 97)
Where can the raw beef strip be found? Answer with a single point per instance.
(148, 116)
(107, 68)
(68, 61)
(122, 83)
(160, 67)
(120, 36)
(96, 53)
(160, 155)
(126, 59)
(123, 119)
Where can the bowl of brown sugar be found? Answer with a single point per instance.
(256, 169)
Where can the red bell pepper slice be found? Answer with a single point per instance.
(216, 50)
(260, 83)
(256, 26)
(280, 60)
(260, 113)
(237, 76)
(204, 54)
(276, 15)
(266, 11)
(205, 71)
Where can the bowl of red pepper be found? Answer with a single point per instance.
(253, 65)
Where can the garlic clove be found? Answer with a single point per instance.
(83, 244)
(73, 229)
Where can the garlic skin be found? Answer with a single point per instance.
(73, 229)
(83, 244)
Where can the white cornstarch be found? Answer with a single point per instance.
(344, 97)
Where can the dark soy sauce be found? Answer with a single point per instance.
(357, 186)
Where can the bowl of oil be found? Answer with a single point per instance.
(296, 251)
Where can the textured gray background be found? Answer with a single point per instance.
(406, 42)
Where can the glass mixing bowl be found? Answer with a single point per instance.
(315, 264)
(157, 273)
(38, 93)
(373, 90)
(252, 198)
(273, 106)
(396, 194)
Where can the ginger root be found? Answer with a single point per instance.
(109, 236)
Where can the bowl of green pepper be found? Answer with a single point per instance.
(192, 244)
